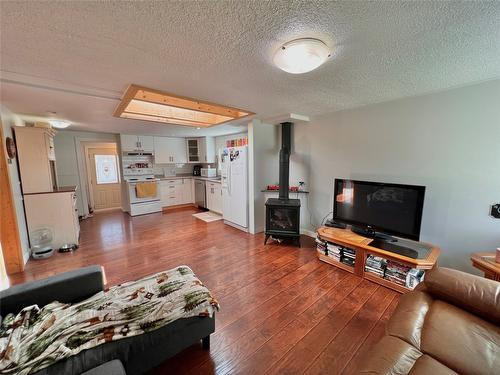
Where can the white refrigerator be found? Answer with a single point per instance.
(234, 180)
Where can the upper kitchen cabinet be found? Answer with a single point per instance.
(35, 150)
(136, 143)
(170, 150)
(201, 150)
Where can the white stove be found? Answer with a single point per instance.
(142, 205)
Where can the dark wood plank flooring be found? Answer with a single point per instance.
(283, 311)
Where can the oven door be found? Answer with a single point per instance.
(133, 197)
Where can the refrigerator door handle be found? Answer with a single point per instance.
(229, 178)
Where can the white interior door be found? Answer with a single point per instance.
(104, 178)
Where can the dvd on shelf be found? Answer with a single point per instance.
(375, 265)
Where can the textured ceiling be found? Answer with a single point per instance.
(222, 51)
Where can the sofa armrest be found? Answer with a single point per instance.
(68, 287)
(475, 294)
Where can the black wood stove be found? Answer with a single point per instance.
(283, 213)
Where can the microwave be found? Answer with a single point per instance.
(208, 172)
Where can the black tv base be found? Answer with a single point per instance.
(370, 233)
(335, 224)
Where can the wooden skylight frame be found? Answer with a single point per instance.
(145, 104)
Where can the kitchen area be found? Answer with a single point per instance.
(161, 173)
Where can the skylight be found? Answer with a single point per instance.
(141, 103)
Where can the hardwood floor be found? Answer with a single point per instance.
(282, 310)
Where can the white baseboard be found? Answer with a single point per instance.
(236, 226)
(309, 233)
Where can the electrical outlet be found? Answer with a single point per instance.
(495, 211)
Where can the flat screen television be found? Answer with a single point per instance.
(372, 207)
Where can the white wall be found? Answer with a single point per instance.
(70, 160)
(448, 141)
(220, 141)
(8, 121)
(263, 148)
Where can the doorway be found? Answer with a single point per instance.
(103, 176)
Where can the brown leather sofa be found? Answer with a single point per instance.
(448, 325)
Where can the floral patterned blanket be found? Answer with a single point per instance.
(36, 338)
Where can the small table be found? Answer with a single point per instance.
(486, 263)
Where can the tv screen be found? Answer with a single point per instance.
(389, 208)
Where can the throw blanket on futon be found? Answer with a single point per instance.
(36, 338)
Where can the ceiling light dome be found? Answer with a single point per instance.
(301, 55)
(60, 124)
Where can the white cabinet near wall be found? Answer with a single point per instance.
(56, 211)
(170, 150)
(136, 143)
(201, 150)
(214, 197)
(176, 191)
(207, 150)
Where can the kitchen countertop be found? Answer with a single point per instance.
(211, 179)
(177, 176)
(187, 175)
(60, 189)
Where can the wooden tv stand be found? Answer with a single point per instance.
(345, 237)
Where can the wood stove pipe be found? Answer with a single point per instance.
(286, 145)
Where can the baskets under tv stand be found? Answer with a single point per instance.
(364, 247)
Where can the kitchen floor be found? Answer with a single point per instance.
(282, 310)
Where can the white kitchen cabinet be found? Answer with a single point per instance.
(168, 192)
(207, 150)
(56, 211)
(187, 191)
(146, 143)
(129, 142)
(193, 150)
(170, 150)
(176, 191)
(136, 143)
(201, 150)
(179, 153)
(36, 157)
(214, 197)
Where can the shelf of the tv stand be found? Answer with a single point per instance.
(386, 283)
(345, 237)
(333, 262)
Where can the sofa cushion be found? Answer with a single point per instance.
(391, 356)
(460, 340)
(426, 365)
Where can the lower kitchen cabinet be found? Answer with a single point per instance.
(214, 197)
(176, 191)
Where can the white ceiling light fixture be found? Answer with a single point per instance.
(301, 55)
(59, 124)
